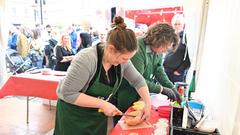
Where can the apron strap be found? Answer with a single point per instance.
(99, 56)
(99, 68)
(116, 85)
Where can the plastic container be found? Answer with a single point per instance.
(196, 106)
(164, 111)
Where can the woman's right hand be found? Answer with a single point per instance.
(110, 110)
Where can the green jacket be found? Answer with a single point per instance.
(150, 65)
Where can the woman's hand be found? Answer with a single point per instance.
(67, 58)
(176, 73)
(144, 93)
(146, 112)
(110, 110)
(71, 57)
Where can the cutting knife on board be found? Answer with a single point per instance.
(123, 114)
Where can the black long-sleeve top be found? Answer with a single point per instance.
(60, 53)
(178, 60)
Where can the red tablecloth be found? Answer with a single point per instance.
(117, 130)
(36, 85)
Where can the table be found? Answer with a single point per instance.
(36, 85)
(117, 130)
(32, 85)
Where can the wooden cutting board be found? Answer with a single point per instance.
(144, 124)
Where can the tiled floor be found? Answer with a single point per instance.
(13, 117)
(41, 118)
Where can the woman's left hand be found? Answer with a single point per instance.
(146, 112)
(176, 73)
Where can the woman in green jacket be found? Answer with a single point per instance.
(92, 81)
(148, 61)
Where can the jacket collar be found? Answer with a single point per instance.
(148, 49)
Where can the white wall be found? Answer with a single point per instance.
(194, 12)
(3, 41)
(219, 75)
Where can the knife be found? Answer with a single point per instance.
(128, 115)
(123, 114)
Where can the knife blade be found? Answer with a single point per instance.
(128, 115)
(123, 114)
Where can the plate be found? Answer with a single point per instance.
(60, 74)
(35, 72)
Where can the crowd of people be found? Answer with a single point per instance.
(54, 48)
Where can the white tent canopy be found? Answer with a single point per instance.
(149, 4)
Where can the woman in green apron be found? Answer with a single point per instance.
(92, 82)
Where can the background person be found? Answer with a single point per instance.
(85, 41)
(64, 53)
(13, 37)
(23, 46)
(177, 63)
(93, 77)
(73, 37)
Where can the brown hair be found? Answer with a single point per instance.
(123, 39)
(161, 34)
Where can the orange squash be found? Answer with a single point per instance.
(133, 121)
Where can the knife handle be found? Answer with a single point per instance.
(100, 110)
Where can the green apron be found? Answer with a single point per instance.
(76, 120)
(125, 101)
(126, 95)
